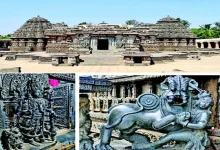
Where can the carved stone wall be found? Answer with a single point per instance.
(41, 34)
(33, 108)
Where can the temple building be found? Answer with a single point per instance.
(31, 35)
(39, 34)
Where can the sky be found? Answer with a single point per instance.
(14, 13)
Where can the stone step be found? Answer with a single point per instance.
(101, 60)
(103, 52)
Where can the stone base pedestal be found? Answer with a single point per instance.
(55, 61)
(129, 63)
(146, 63)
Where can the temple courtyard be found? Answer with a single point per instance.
(206, 64)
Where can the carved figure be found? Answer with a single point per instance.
(29, 108)
(192, 133)
(168, 113)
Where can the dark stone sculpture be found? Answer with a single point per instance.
(29, 108)
(86, 142)
(182, 111)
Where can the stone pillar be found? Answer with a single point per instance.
(202, 45)
(122, 90)
(114, 91)
(4, 44)
(15, 44)
(209, 45)
(197, 46)
(30, 45)
(216, 45)
(109, 93)
(40, 45)
(91, 101)
(97, 103)
(22, 43)
(114, 96)
(129, 91)
(115, 101)
(85, 123)
(147, 88)
(105, 103)
(134, 91)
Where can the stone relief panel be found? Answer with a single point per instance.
(184, 114)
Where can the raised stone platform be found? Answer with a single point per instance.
(99, 60)
(109, 58)
(161, 58)
(11, 70)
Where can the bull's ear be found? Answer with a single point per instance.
(165, 85)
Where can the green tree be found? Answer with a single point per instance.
(216, 30)
(132, 22)
(5, 36)
(184, 22)
(84, 23)
(205, 31)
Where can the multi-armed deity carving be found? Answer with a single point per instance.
(182, 111)
(29, 107)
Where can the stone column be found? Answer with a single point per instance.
(209, 45)
(129, 91)
(30, 45)
(40, 45)
(14, 45)
(91, 101)
(114, 91)
(122, 90)
(22, 43)
(85, 123)
(197, 46)
(5, 45)
(134, 91)
(97, 103)
(105, 103)
(202, 45)
(114, 96)
(216, 45)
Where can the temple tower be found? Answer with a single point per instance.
(31, 35)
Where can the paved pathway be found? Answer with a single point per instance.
(206, 65)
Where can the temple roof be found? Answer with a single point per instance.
(33, 28)
(37, 19)
(38, 27)
(168, 19)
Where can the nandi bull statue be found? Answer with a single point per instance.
(182, 111)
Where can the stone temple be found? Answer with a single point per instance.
(39, 34)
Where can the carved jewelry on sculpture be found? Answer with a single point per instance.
(170, 113)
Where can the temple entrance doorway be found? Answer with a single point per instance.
(137, 60)
(103, 44)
